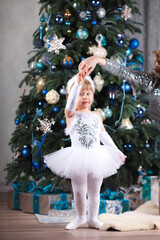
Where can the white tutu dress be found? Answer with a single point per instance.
(86, 155)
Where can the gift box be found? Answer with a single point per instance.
(150, 186)
(135, 200)
(15, 199)
(114, 206)
(42, 203)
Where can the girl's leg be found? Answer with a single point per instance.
(94, 185)
(79, 186)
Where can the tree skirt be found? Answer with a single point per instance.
(143, 218)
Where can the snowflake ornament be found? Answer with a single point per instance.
(55, 44)
(126, 13)
(45, 125)
(17, 153)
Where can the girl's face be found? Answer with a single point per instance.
(85, 99)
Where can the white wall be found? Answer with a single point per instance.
(18, 21)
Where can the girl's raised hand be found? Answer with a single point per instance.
(81, 77)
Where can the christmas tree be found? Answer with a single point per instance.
(70, 31)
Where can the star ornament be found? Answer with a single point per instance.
(56, 44)
(126, 13)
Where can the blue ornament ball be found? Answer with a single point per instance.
(108, 112)
(82, 58)
(40, 66)
(120, 40)
(104, 40)
(42, 19)
(35, 165)
(128, 147)
(94, 22)
(133, 43)
(41, 103)
(138, 57)
(67, 62)
(25, 151)
(82, 33)
(128, 52)
(17, 121)
(23, 118)
(95, 3)
(67, 23)
(63, 123)
(140, 112)
(58, 19)
(55, 109)
(44, 92)
(126, 87)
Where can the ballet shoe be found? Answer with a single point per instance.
(95, 224)
(75, 224)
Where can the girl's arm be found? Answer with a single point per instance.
(73, 95)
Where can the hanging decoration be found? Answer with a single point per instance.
(62, 91)
(128, 147)
(67, 16)
(40, 65)
(41, 29)
(82, 33)
(41, 103)
(111, 94)
(52, 97)
(126, 87)
(101, 12)
(98, 51)
(120, 40)
(45, 125)
(67, 62)
(17, 153)
(98, 82)
(25, 151)
(58, 19)
(40, 84)
(126, 124)
(108, 112)
(100, 111)
(126, 13)
(134, 43)
(95, 3)
(140, 111)
(84, 15)
(56, 44)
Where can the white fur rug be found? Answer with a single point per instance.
(143, 218)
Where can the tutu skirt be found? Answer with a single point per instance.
(71, 161)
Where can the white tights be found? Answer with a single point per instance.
(81, 185)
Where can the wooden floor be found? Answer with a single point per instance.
(16, 225)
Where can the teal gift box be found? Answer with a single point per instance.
(43, 203)
(150, 186)
(15, 199)
(114, 206)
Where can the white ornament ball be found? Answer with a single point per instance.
(100, 52)
(101, 12)
(52, 97)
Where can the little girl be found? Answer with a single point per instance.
(86, 162)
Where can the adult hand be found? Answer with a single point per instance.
(90, 63)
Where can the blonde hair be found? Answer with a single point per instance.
(157, 63)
